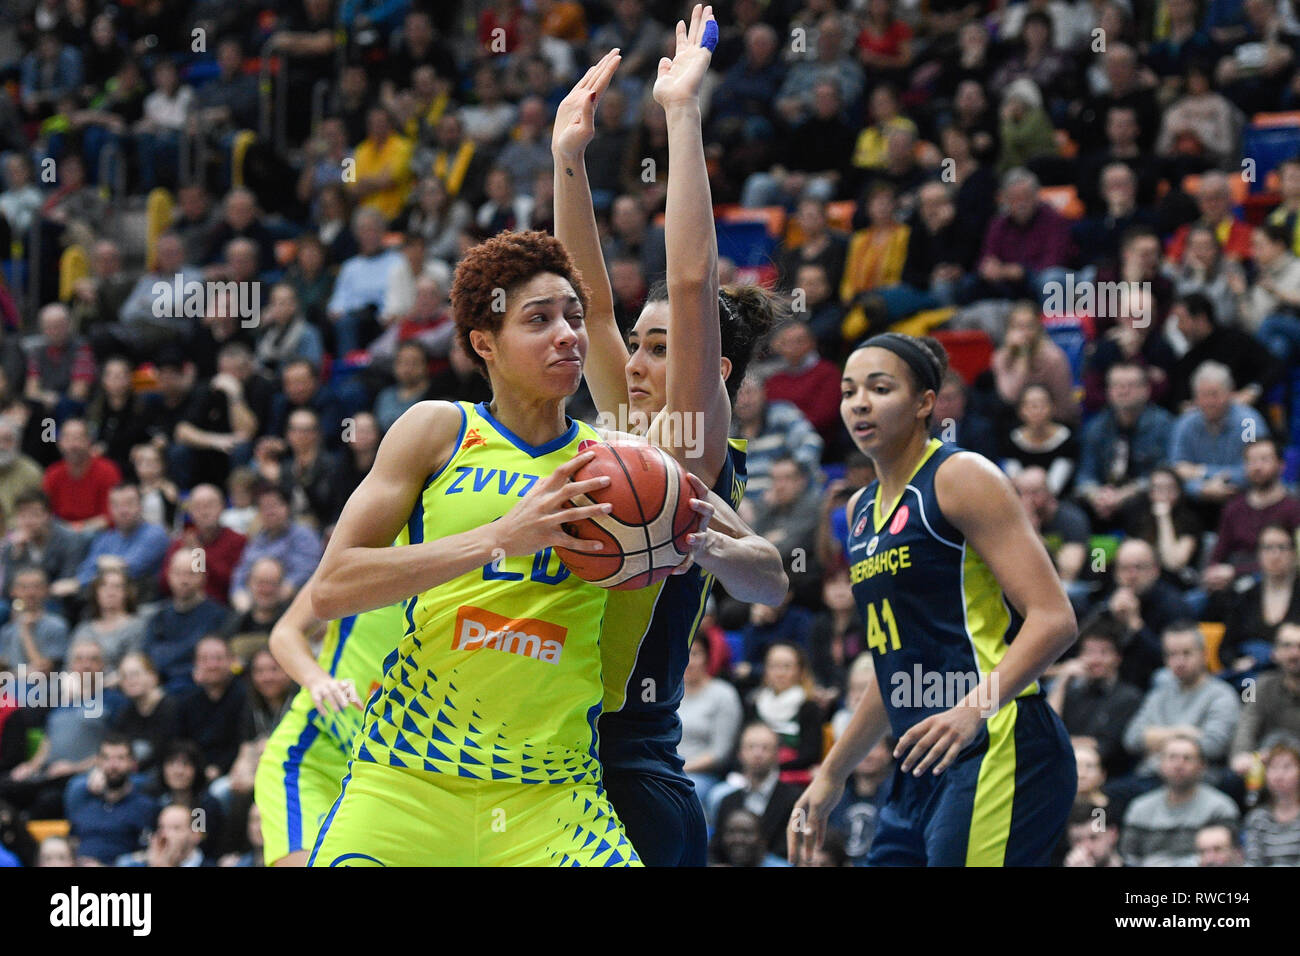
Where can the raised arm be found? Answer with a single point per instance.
(360, 571)
(694, 380)
(575, 227)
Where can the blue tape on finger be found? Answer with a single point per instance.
(710, 35)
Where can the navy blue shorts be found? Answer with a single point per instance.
(662, 816)
(1004, 802)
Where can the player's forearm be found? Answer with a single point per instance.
(865, 728)
(575, 227)
(749, 568)
(691, 248)
(289, 643)
(360, 579)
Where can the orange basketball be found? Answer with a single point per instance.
(645, 533)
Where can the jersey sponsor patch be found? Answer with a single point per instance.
(900, 520)
(871, 545)
(472, 439)
(861, 526)
(477, 629)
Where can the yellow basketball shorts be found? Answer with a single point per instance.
(392, 816)
(298, 779)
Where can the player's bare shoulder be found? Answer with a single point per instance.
(425, 435)
(967, 483)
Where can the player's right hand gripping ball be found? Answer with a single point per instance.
(645, 533)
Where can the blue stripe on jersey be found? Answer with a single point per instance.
(345, 629)
(535, 451)
(292, 769)
(643, 734)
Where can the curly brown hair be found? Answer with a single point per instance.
(504, 262)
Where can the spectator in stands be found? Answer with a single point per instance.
(711, 714)
(107, 815)
(176, 628)
(1202, 125)
(762, 792)
(505, 209)
(457, 161)
(1256, 613)
(858, 811)
(820, 244)
(773, 430)
(174, 842)
(181, 781)
(217, 425)
(132, 541)
(266, 600)
(825, 314)
(1192, 704)
(214, 713)
(1062, 525)
(1214, 201)
(1268, 308)
(300, 387)
(957, 423)
(411, 370)
(270, 693)
(296, 547)
(61, 367)
(383, 167)
(433, 215)
(195, 221)
(1098, 237)
(837, 637)
(18, 473)
(37, 540)
(356, 458)
(22, 198)
(784, 702)
(49, 72)
(1122, 444)
(1027, 244)
(1275, 707)
(1092, 699)
(812, 157)
(153, 314)
(229, 101)
(362, 283)
(1090, 844)
(1144, 605)
(240, 219)
(875, 262)
(1025, 132)
(33, 635)
(1135, 339)
(1162, 517)
(632, 234)
(74, 726)
(1040, 441)
(159, 496)
(1207, 442)
(286, 333)
(1264, 501)
(787, 515)
(114, 414)
(301, 466)
(638, 35)
(148, 718)
(806, 380)
(111, 620)
(738, 841)
(220, 546)
(460, 381)
(1271, 833)
(158, 132)
(1160, 827)
(939, 253)
(163, 409)
(1028, 356)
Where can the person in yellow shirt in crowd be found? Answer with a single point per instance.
(383, 166)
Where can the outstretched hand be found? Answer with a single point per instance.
(680, 78)
(575, 117)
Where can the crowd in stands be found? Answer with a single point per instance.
(171, 470)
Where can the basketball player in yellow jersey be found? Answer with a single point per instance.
(479, 746)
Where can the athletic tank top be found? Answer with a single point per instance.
(497, 676)
(935, 616)
(645, 646)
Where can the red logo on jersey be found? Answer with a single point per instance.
(472, 439)
(861, 526)
(900, 519)
(587, 443)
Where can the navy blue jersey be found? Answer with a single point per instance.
(934, 614)
(645, 645)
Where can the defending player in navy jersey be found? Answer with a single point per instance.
(963, 611)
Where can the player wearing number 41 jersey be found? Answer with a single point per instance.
(963, 612)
